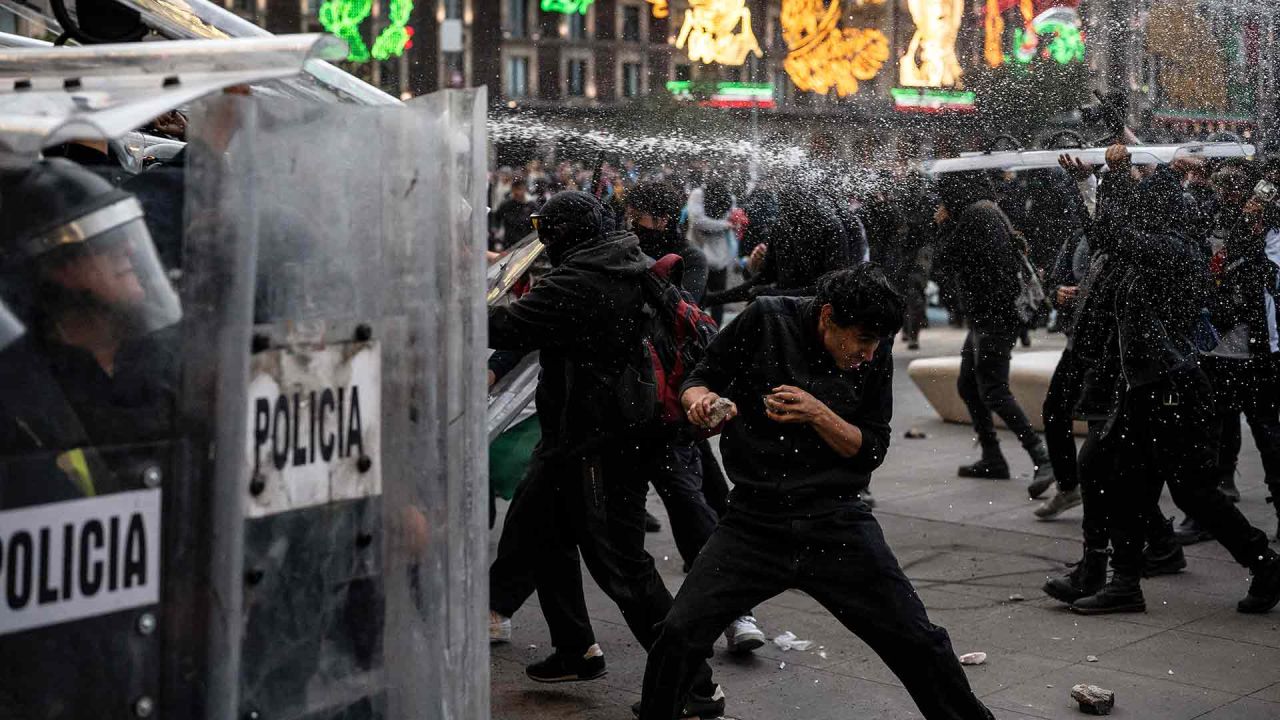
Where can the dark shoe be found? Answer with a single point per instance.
(1058, 504)
(697, 706)
(913, 345)
(1122, 594)
(569, 667)
(1025, 338)
(1228, 488)
(1088, 577)
(994, 470)
(1264, 591)
(1164, 561)
(651, 523)
(1041, 482)
(1190, 533)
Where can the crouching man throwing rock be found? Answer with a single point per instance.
(811, 384)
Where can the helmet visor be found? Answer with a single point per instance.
(116, 270)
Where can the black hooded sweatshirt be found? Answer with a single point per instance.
(585, 319)
(977, 247)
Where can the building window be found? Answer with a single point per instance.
(577, 26)
(517, 77)
(518, 18)
(631, 23)
(733, 74)
(453, 9)
(630, 79)
(244, 7)
(684, 73)
(576, 78)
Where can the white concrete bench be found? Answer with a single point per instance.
(1029, 375)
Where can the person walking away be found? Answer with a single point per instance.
(811, 387)
(977, 248)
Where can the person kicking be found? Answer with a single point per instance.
(811, 384)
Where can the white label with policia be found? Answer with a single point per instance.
(77, 559)
(315, 418)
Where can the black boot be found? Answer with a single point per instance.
(1088, 577)
(1163, 554)
(1264, 591)
(1043, 474)
(569, 667)
(1122, 594)
(992, 465)
(1190, 532)
(1274, 499)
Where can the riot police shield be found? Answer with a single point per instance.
(88, 438)
(351, 545)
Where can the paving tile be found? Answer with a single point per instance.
(1244, 709)
(1199, 660)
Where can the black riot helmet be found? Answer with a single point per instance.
(71, 242)
(568, 218)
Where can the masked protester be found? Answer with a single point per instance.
(1161, 428)
(653, 215)
(1084, 386)
(587, 481)
(87, 390)
(811, 387)
(977, 247)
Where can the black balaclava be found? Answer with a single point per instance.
(569, 219)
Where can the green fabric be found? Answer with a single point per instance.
(509, 456)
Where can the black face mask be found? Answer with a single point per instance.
(649, 237)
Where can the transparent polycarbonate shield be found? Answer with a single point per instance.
(359, 476)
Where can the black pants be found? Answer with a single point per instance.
(984, 386)
(677, 476)
(1097, 472)
(1248, 387)
(1165, 433)
(835, 552)
(717, 281)
(678, 480)
(1059, 421)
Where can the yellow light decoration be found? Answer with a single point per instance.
(930, 60)
(993, 42)
(718, 31)
(824, 56)
(660, 8)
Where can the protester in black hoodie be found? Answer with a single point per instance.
(589, 476)
(979, 249)
(810, 384)
(1140, 321)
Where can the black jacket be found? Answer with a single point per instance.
(979, 251)
(1151, 282)
(775, 342)
(585, 319)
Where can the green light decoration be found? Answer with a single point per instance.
(394, 37)
(344, 17)
(1066, 42)
(567, 7)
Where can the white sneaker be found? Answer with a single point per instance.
(499, 628)
(744, 635)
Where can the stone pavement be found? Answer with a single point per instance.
(969, 546)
